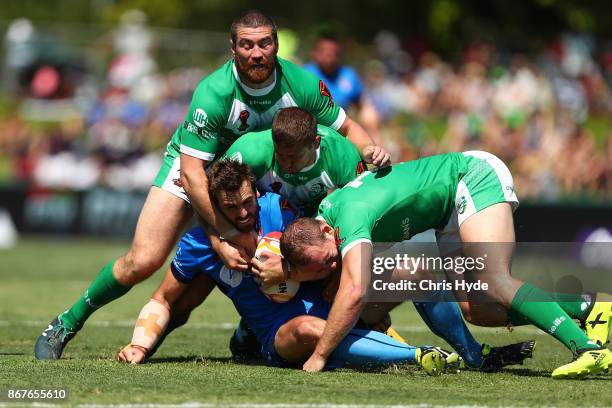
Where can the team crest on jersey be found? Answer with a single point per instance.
(230, 276)
(325, 92)
(316, 189)
(339, 241)
(360, 168)
(243, 118)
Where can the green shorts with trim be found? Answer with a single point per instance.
(487, 181)
(169, 176)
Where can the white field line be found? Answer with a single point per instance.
(231, 405)
(230, 326)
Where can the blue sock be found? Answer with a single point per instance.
(368, 348)
(444, 319)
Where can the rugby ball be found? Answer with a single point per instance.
(284, 291)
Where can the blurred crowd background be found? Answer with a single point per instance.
(94, 104)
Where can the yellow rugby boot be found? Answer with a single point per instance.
(587, 362)
(431, 360)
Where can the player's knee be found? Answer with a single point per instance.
(136, 266)
(310, 330)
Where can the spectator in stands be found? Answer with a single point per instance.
(341, 80)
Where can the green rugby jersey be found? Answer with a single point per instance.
(223, 108)
(395, 203)
(337, 163)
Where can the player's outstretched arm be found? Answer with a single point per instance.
(360, 138)
(347, 306)
(195, 183)
(152, 320)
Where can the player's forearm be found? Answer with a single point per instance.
(348, 302)
(211, 233)
(342, 318)
(195, 184)
(151, 324)
(356, 134)
(155, 315)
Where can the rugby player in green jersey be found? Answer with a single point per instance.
(241, 96)
(303, 162)
(468, 198)
(299, 159)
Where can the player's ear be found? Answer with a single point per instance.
(317, 142)
(326, 228)
(232, 47)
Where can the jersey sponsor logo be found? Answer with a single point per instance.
(360, 168)
(261, 102)
(406, 228)
(200, 117)
(325, 92)
(199, 131)
(230, 277)
(244, 117)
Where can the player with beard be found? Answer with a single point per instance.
(241, 96)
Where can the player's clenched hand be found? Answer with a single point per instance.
(315, 363)
(376, 155)
(233, 257)
(268, 269)
(131, 354)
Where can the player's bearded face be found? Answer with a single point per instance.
(240, 207)
(255, 53)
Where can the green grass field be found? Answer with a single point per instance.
(42, 277)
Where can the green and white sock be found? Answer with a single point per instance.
(104, 289)
(542, 311)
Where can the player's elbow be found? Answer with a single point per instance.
(190, 178)
(192, 173)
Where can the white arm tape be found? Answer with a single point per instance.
(152, 322)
